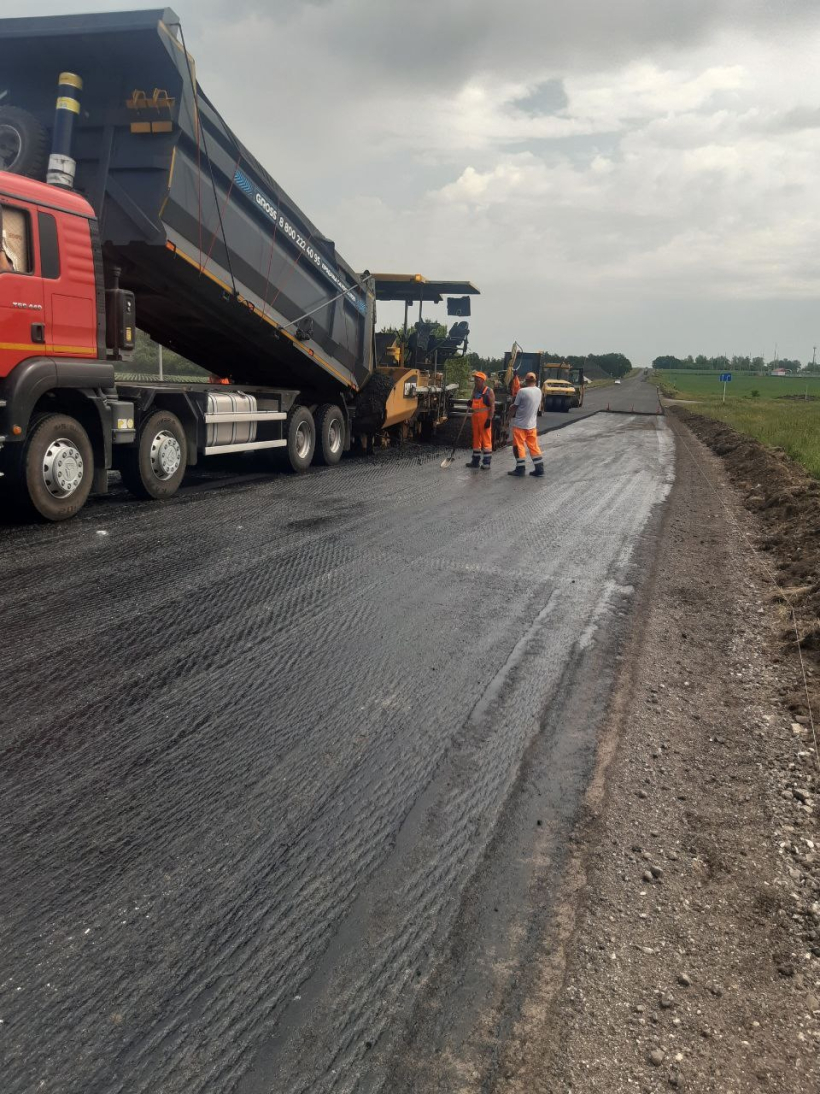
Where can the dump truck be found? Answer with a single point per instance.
(126, 200)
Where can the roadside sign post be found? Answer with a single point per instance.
(725, 377)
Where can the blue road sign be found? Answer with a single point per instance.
(725, 377)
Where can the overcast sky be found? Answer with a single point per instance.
(635, 175)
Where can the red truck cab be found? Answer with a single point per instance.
(54, 375)
(48, 284)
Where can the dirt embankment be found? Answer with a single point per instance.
(686, 955)
(786, 502)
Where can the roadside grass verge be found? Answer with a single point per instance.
(778, 416)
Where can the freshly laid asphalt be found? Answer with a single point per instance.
(634, 394)
(256, 742)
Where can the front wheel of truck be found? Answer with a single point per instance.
(155, 467)
(56, 467)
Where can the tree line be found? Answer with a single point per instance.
(615, 365)
(723, 363)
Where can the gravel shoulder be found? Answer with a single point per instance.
(684, 953)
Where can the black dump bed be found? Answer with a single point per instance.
(524, 362)
(220, 258)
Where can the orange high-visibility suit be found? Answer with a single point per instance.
(482, 407)
(525, 440)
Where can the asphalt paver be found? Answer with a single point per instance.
(256, 742)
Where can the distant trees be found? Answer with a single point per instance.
(459, 370)
(145, 361)
(727, 364)
(613, 364)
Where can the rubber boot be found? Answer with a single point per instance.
(538, 471)
(474, 463)
(485, 463)
(518, 471)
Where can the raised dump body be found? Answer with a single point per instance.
(226, 269)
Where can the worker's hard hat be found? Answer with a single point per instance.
(480, 375)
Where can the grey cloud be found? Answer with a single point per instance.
(444, 41)
(793, 121)
(548, 97)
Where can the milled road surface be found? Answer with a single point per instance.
(257, 741)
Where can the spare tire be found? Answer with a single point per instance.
(23, 143)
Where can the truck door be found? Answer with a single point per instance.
(22, 327)
(69, 287)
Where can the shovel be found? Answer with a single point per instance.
(447, 461)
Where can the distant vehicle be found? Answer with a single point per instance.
(617, 381)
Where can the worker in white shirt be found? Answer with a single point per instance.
(524, 410)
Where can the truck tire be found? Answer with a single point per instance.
(24, 143)
(155, 467)
(56, 467)
(330, 430)
(301, 438)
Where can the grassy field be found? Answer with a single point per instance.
(778, 415)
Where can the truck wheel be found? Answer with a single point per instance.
(56, 467)
(330, 427)
(301, 437)
(155, 468)
(23, 143)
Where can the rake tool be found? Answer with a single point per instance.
(448, 460)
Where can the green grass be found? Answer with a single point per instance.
(787, 423)
(700, 384)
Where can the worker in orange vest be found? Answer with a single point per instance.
(524, 411)
(483, 411)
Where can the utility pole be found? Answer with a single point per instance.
(813, 364)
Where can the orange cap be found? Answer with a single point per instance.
(480, 375)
